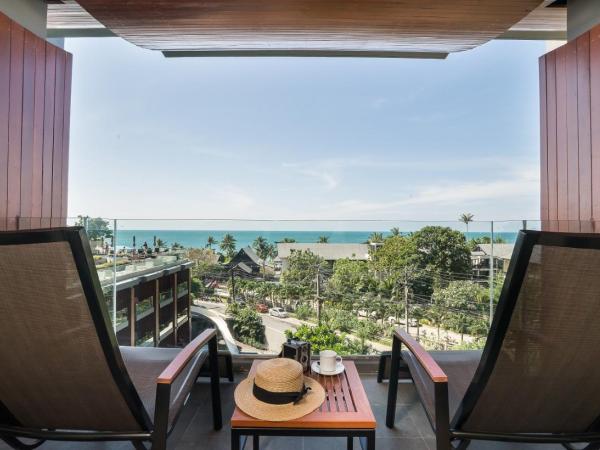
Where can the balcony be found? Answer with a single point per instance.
(194, 427)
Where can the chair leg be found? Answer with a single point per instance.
(18, 445)
(139, 445)
(214, 384)
(393, 384)
(462, 445)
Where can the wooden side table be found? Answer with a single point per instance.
(345, 412)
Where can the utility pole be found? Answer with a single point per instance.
(232, 299)
(318, 296)
(406, 302)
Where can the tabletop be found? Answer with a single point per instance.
(346, 405)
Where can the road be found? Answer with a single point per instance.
(275, 327)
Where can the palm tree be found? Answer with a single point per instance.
(375, 238)
(466, 218)
(395, 231)
(288, 240)
(161, 243)
(263, 249)
(323, 240)
(227, 245)
(210, 241)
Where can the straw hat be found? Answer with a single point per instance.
(279, 391)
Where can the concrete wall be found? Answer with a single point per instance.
(30, 14)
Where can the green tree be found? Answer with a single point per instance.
(160, 243)
(465, 301)
(210, 241)
(375, 238)
(96, 227)
(288, 240)
(227, 245)
(301, 274)
(323, 240)
(395, 231)
(264, 250)
(442, 250)
(351, 278)
(393, 256)
(466, 218)
(323, 337)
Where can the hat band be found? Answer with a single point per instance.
(278, 398)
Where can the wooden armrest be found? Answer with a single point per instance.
(432, 368)
(184, 356)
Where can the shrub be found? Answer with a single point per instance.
(247, 326)
(303, 312)
(322, 337)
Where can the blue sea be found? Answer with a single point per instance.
(198, 238)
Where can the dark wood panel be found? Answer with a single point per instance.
(543, 143)
(561, 138)
(572, 137)
(34, 121)
(59, 101)
(584, 132)
(48, 135)
(38, 134)
(551, 116)
(66, 136)
(27, 130)
(570, 144)
(4, 111)
(15, 116)
(595, 119)
(289, 26)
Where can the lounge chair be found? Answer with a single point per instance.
(62, 374)
(538, 378)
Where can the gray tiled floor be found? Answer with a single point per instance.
(194, 429)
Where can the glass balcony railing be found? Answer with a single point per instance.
(344, 285)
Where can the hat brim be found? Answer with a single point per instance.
(249, 404)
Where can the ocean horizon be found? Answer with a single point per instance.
(198, 238)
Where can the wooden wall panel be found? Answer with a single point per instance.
(35, 84)
(570, 144)
(4, 102)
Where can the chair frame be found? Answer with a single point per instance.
(155, 432)
(448, 433)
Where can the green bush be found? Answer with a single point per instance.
(322, 337)
(303, 312)
(247, 326)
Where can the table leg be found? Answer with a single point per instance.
(235, 440)
(350, 443)
(367, 442)
(255, 442)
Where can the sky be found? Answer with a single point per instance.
(304, 138)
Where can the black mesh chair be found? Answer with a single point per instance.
(538, 377)
(62, 375)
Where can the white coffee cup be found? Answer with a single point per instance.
(328, 361)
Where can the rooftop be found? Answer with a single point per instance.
(329, 252)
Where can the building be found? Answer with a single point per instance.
(480, 258)
(247, 259)
(153, 301)
(329, 252)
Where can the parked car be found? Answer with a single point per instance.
(278, 312)
(262, 308)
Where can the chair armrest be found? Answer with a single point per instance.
(432, 368)
(184, 356)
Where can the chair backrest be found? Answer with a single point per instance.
(540, 369)
(60, 366)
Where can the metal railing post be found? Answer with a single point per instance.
(114, 292)
(492, 274)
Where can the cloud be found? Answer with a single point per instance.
(329, 180)
(439, 199)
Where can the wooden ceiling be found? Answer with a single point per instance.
(370, 27)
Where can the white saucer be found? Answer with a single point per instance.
(339, 368)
